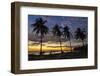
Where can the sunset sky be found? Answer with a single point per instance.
(71, 22)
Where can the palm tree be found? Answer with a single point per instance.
(41, 29)
(57, 32)
(79, 34)
(67, 34)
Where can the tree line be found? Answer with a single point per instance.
(41, 29)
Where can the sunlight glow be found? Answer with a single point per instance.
(47, 47)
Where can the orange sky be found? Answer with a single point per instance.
(36, 48)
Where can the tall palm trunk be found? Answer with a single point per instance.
(83, 48)
(41, 45)
(70, 45)
(83, 43)
(60, 44)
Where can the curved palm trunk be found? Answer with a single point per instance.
(60, 44)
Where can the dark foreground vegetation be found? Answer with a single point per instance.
(79, 52)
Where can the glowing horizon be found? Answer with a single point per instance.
(47, 47)
(44, 48)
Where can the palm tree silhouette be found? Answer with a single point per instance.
(41, 29)
(79, 34)
(57, 32)
(67, 34)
